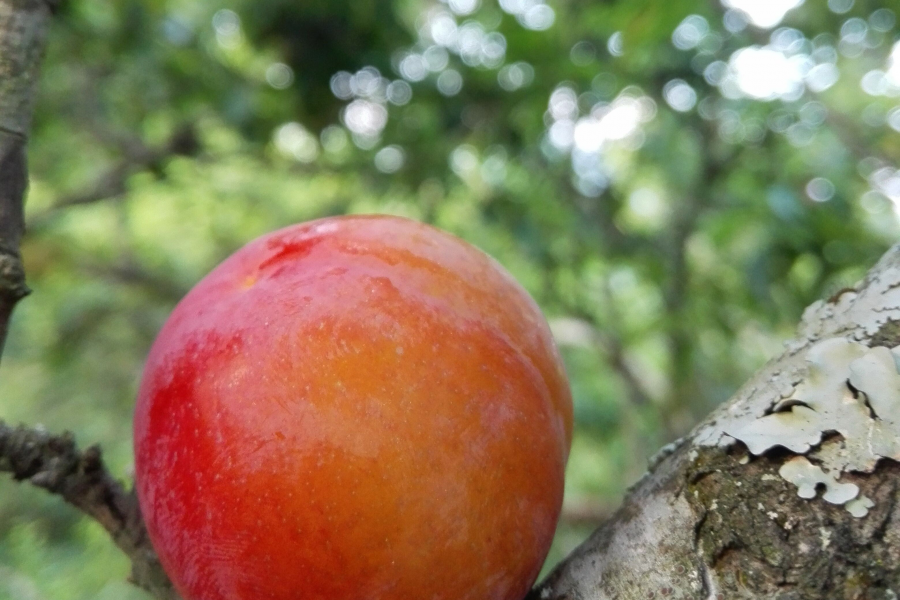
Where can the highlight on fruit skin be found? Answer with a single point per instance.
(353, 408)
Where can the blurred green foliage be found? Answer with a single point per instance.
(671, 180)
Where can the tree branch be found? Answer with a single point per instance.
(735, 509)
(54, 463)
(12, 226)
(23, 34)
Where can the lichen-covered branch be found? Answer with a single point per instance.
(789, 490)
(55, 463)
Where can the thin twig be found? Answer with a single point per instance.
(55, 463)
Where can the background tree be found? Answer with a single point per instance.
(673, 181)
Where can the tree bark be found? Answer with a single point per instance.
(23, 33)
(787, 491)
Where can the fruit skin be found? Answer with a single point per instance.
(355, 408)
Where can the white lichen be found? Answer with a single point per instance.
(797, 430)
(859, 507)
(855, 314)
(807, 477)
(848, 389)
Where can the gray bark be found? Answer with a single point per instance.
(788, 491)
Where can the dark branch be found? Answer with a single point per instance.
(12, 192)
(23, 32)
(54, 463)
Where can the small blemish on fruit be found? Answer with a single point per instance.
(399, 350)
(248, 282)
(284, 250)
